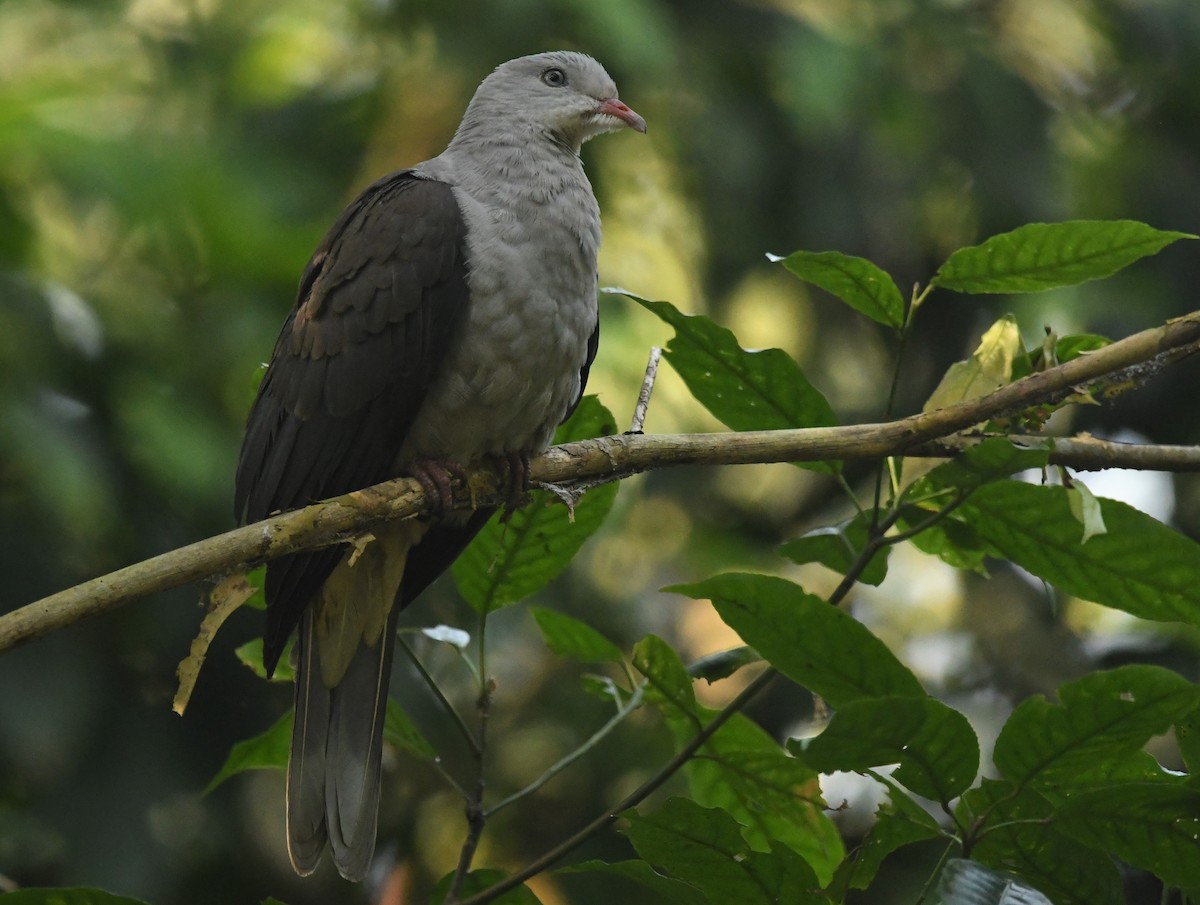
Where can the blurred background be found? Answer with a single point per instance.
(167, 166)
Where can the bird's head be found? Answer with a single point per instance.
(564, 94)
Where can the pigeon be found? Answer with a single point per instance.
(448, 317)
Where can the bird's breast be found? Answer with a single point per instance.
(515, 369)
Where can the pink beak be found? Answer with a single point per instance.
(613, 107)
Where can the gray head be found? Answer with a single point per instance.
(563, 95)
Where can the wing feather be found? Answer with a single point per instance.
(375, 317)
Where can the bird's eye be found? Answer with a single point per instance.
(554, 77)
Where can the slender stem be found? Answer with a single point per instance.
(635, 798)
(937, 869)
(476, 816)
(643, 400)
(634, 702)
(463, 728)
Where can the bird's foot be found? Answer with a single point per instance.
(515, 466)
(435, 478)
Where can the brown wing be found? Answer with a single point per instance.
(376, 313)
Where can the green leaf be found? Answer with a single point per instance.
(1086, 509)
(1187, 734)
(994, 459)
(838, 547)
(1103, 716)
(775, 797)
(856, 281)
(722, 664)
(78, 895)
(899, 822)
(955, 543)
(256, 578)
(704, 846)
(813, 643)
(268, 750)
(569, 637)
(934, 745)
(989, 367)
(668, 679)
(250, 654)
(399, 731)
(764, 390)
(479, 880)
(509, 561)
(742, 769)
(1047, 255)
(1073, 346)
(1019, 835)
(664, 889)
(1155, 826)
(1140, 565)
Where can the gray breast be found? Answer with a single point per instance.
(515, 370)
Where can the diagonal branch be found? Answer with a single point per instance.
(354, 514)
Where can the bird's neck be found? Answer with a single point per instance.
(501, 163)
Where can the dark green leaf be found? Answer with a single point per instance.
(898, 823)
(1155, 826)
(1073, 346)
(568, 637)
(255, 578)
(723, 663)
(1020, 837)
(479, 880)
(507, 562)
(1047, 255)
(78, 895)
(250, 654)
(1187, 734)
(813, 643)
(704, 846)
(955, 543)
(934, 745)
(990, 460)
(1140, 565)
(669, 682)
(664, 889)
(742, 769)
(764, 390)
(775, 797)
(268, 750)
(399, 731)
(1102, 717)
(856, 281)
(838, 547)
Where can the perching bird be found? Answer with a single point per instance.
(449, 314)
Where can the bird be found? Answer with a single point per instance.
(449, 316)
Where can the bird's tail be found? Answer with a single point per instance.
(344, 662)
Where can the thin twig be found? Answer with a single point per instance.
(634, 702)
(476, 816)
(643, 400)
(447, 705)
(633, 799)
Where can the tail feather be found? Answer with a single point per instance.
(336, 755)
(354, 752)
(306, 828)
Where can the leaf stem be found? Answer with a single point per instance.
(634, 702)
(445, 702)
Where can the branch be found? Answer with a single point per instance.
(355, 514)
